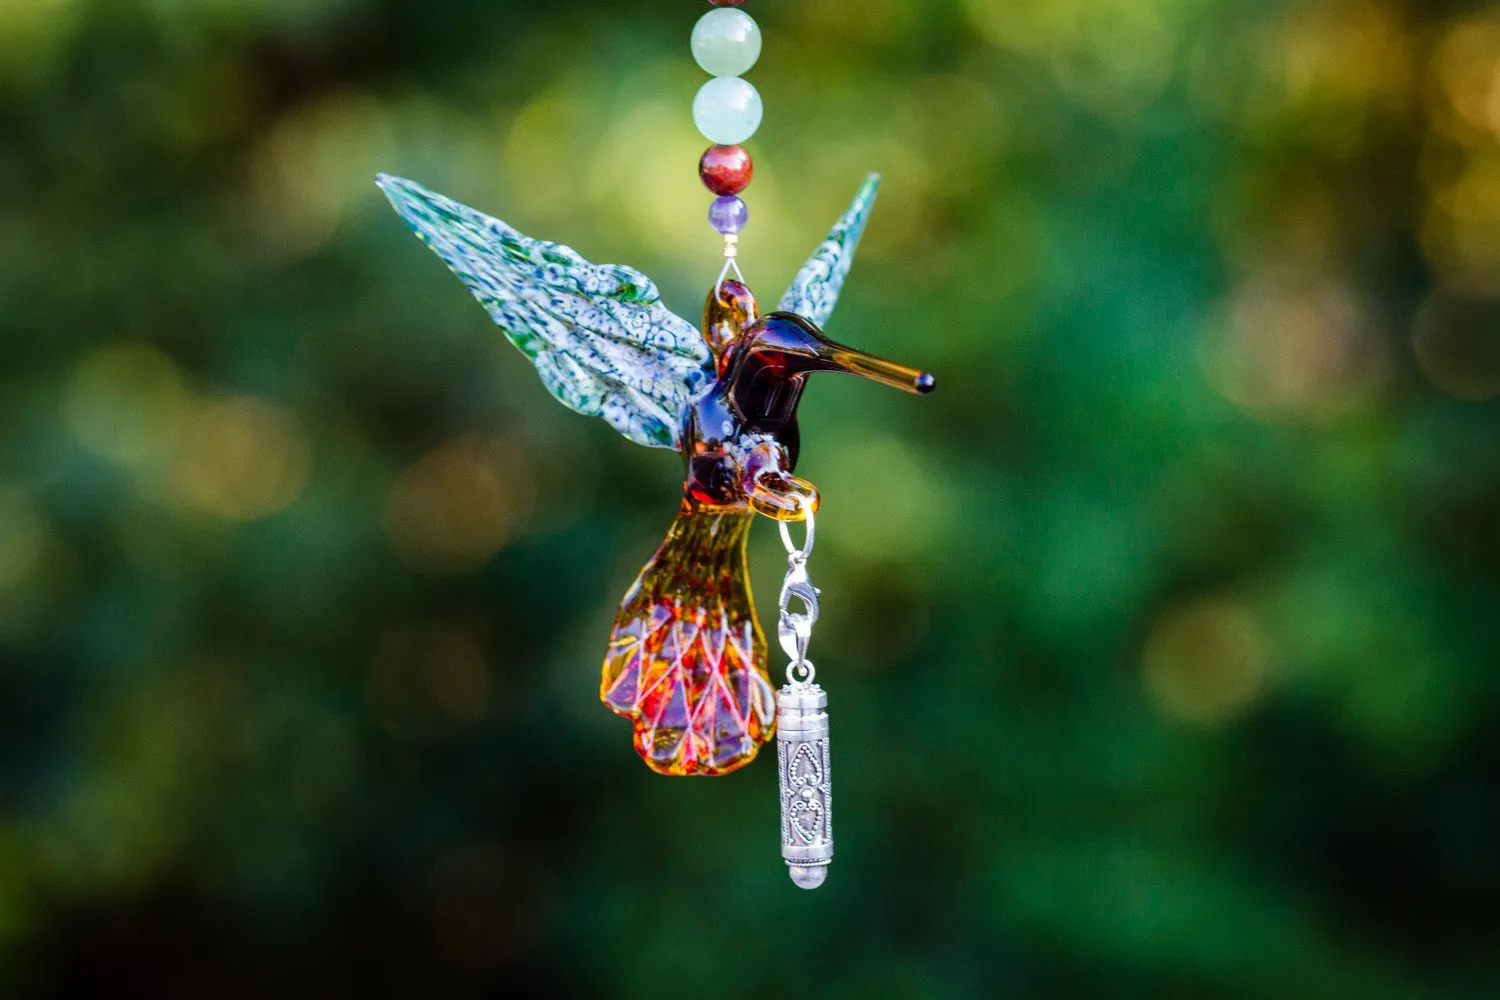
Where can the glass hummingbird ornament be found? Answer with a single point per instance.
(686, 662)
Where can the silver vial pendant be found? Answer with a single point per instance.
(806, 803)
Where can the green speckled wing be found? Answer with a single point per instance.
(816, 288)
(598, 334)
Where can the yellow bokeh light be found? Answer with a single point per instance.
(642, 167)
(1205, 660)
(127, 403)
(540, 149)
(1282, 349)
(1325, 70)
(1121, 60)
(319, 159)
(1461, 236)
(1463, 94)
(1036, 27)
(1112, 56)
(34, 37)
(1335, 52)
(452, 510)
(240, 458)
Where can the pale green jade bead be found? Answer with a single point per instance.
(726, 42)
(727, 110)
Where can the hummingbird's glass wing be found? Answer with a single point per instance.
(598, 334)
(816, 288)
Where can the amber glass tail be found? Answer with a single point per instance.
(685, 658)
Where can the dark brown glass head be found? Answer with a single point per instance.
(776, 354)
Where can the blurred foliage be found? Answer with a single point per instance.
(1162, 640)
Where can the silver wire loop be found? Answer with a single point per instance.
(804, 552)
(730, 264)
(801, 672)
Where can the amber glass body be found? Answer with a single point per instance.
(687, 658)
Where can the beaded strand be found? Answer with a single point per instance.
(727, 110)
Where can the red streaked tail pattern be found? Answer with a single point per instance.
(686, 661)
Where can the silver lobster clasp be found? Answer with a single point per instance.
(794, 629)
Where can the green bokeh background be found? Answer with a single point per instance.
(1161, 641)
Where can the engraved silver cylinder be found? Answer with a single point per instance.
(806, 805)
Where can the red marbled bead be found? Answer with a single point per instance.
(726, 170)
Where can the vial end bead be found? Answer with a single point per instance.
(808, 876)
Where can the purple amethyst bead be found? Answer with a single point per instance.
(728, 214)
